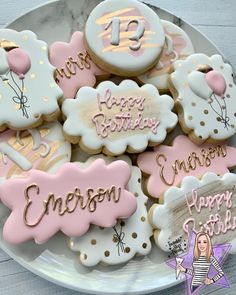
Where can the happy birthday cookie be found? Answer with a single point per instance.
(70, 200)
(204, 91)
(74, 67)
(124, 37)
(28, 92)
(115, 118)
(177, 46)
(168, 165)
(207, 205)
(43, 148)
(127, 238)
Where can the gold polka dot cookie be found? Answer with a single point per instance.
(28, 92)
(204, 93)
(120, 243)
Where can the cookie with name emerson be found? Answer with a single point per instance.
(123, 241)
(124, 37)
(70, 200)
(74, 67)
(204, 92)
(207, 205)
(27, 96)
(168, 165)
(43, 148)
(115, 118)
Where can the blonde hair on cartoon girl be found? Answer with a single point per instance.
(209, 250)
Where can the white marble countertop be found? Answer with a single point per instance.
(217, 20)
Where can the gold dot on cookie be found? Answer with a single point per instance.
(25, 37)
(179, 64)
(190, 117)
(193, 104)
(227, 95)
(32, 76)
(139, 180)
(218, 119)
(134, 235)
(25, 90)
(144, 245)
(143, 218)
(36, 115)
(215, 131)
(234, 114)
(127, 250)
(136, 194)
(115, 240)
(206, 112)
(230, 85)
(17, 106)
(1, 96)
(44, 47)
(200, 136)
(93, 242)
(202, 123)
(107, 253)
(45, 98)
(52, 85)
(85, 256)
(41, 62)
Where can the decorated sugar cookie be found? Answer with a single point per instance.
(120, 243)
(115, 118)
(70, 200)
(207, 205)
(74, 67)
(168, 165)
(28, 92)
(124, 37)
(177, 46)
(205, 97)
(43, 148)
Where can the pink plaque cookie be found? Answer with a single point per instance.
(168, 165)
(42, 204)
(74, 65)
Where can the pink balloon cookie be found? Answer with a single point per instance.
(207, 205)
(72, 199)
(28, 92)
(115, 118)
(168, 165)
(177, 46)
(204, 92)
(74, 67)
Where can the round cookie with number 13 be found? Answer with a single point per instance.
(124, 37)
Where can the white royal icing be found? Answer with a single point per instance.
(25, 101)
(177, 46)
(129, 236)
(119, 116)
(207, 205)
(126, 35)
(205, 114)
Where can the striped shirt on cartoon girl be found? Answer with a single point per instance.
(203, 259)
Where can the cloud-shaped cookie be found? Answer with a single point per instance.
(127, 238)
(168, 165)
(207, 205)
(72, 199)
(117, 118)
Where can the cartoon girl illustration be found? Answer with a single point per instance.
(203, 259)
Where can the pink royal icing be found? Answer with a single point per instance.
(42, 204)
(168, 165)
(74, 65)
(216, 82)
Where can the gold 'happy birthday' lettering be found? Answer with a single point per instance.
(204, 159)
(81, 62)
(70, 204)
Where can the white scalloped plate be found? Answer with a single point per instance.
(53, 260)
